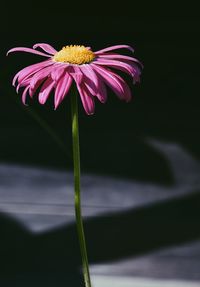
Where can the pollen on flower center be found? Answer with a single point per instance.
(74, 54)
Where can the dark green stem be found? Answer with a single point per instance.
(76, 159)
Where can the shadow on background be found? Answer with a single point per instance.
(119, 154)
(53, 259)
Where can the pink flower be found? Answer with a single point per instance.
(91, 71)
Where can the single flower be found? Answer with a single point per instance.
(91, 71)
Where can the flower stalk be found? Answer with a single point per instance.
(76, 160)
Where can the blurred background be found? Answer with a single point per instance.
(140, 161)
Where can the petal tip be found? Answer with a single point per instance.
(56, 105)
(9, 51)
(35, 46)
(90, 113)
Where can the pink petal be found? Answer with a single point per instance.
(23, 84)
(120, 58)
(27, 50)
(30, 70)
(93, 83)
(90, 86)
(32, 90)
(102, 92)
(45, 91)
(46, 47)
(86, 97)
(89, 73)
(90, 79)
(76, 74)
(62, 89)
(126, 89)
(112, 80)
(116, 47)
(24, 95)
(40, 75)
(99, 93)
(124, 67)
(58, 71)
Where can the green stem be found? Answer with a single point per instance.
(76, 158)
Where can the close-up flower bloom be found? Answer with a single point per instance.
(91, 71)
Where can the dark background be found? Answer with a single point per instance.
(165, 107)
(165, 35)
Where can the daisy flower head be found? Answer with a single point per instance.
(91, 72)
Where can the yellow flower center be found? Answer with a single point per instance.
(74, 54)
